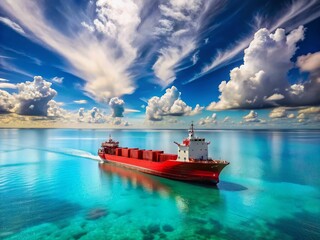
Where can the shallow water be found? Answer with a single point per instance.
(51, 187)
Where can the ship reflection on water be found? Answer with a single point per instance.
(179, 191)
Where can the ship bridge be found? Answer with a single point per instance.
(192, 148)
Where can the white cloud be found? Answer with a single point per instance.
(33, 97)
(55, 109)
(197, 110)
(275, 97)
(16, 27)
(164, 67)
(96, 116)
(309, 62)
(252, 116)
(263, 75)
(195, 58)
(291, 115)
(117, 106)
(208, 120)
(226, 119)
(80, 101)
(90, 28)
(129, 110)
(101, 59)
(278, 113)
(179, 29)
(4, 80)
(310, 110)
(81, 115)
(7, 102)
(57, 79)
(297, 12)
(8, 85)
(169, 104)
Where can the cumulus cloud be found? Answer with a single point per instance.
(208, 120)
(308, 92)
(81, 115)
(117, 107)
(291, 115)
(7, 102)
(278, 113)
(197, 110)
(309, 62)
(33, 97)
(96, 116)
(252, 116)
(169, 104)
(16, 27)
(298, 12)
(262, 79)
(55, 110)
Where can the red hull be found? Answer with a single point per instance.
(205, 171)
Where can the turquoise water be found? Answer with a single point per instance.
(51, 187)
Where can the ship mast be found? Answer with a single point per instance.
(191, 132)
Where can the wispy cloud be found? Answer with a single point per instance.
(16, 27)
(102, 57)
(80, 101)
(4, 80)
(7, 66)
(23, 54)
(179, 27)
(8, 85)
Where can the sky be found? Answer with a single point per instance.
(160, 64)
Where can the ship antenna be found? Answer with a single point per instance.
(191, 131)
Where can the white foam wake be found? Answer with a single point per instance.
(80, 153)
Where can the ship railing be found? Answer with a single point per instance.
(209, 160)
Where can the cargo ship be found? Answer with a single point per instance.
(190, 164)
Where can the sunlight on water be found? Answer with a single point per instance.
(51, 189)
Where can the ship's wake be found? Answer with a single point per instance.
(77, 153)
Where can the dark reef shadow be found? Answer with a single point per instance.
(230, 186)
(30, 211)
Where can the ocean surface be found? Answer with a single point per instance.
(51, 187)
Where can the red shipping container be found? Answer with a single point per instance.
(157, 155)
(119, 151)
(125, 152)
(148, 155)
(136, 153)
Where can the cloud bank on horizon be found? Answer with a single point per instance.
(118, 52)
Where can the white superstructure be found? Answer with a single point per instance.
(193, 148)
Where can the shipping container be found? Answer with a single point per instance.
(147, 154)
(157, 155)
(136, 153)
(125, 152)
(119, 151)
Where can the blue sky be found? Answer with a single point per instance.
(221, 64)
